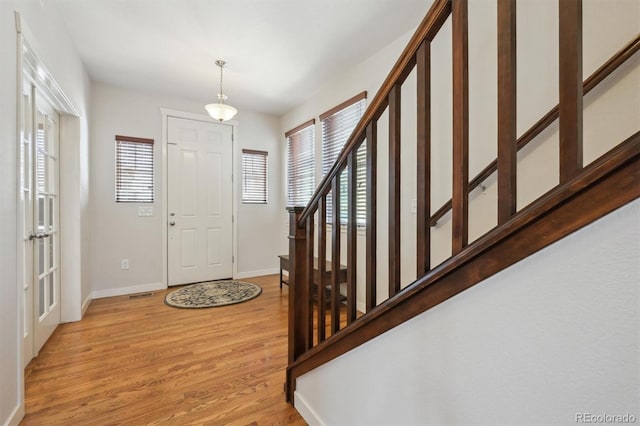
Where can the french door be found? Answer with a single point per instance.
(39, 204)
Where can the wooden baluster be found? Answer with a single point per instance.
(507, 137)
(322, 267)
(570, 106)
(394, 189)
(372, 199)
(309, 280)
(460, 198)
(335, 255)
(423, 207)
(298, 288)
(352, 246)
(604, 71)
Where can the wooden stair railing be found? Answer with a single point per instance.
(594, 80)
(583, 194)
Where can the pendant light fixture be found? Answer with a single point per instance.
(221, 111)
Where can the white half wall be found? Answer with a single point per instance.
(548, 338)
(118, 233)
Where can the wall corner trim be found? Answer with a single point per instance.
(16, 416)
(308, 414)
(86, 304)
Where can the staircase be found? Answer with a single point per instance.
(321, 330)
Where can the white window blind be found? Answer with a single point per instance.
(134, 170)
(254, 176)
(337, 125)
(300, 164)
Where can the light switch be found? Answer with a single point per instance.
(145, 211)
(414, 205)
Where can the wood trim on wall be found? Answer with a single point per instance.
(357, 98)
(300, 127)
(254, 151)
(134, 139)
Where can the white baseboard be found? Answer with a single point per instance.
(86, 303)
(250, 274)
(307, 413)
(16, 416)
(99, 294)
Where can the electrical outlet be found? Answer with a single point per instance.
(124, 264)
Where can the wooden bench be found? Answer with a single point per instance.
(342, 276)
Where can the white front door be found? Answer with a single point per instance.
(39, 221)
(200, 201)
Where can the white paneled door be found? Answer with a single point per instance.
(200, 201)
(39, 221)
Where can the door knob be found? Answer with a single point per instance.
(172, 223)
(39, 235)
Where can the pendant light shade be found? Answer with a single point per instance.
(221, 111)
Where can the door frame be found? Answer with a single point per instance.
(30, 69)
(166, 113)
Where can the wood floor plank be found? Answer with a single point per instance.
(141, 362)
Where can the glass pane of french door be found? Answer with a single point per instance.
(46, 181)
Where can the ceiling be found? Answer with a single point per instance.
(279, 52)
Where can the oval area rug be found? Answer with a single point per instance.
(212, 293)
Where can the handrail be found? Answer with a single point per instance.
(619, 58)
(612, 179)
(428, 28)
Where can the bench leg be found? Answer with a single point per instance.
(280, 278)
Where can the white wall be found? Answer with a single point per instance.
(553, 335)
(10, 324)
(612, 113)
(118, 233)
(51, 42)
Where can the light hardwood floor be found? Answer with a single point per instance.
(138, 362)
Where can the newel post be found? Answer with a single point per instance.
(298, 287)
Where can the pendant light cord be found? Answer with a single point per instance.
(221, 94)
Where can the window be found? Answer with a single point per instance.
(337, 125)
(134, 170)
(254, 176)
(300, 164)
